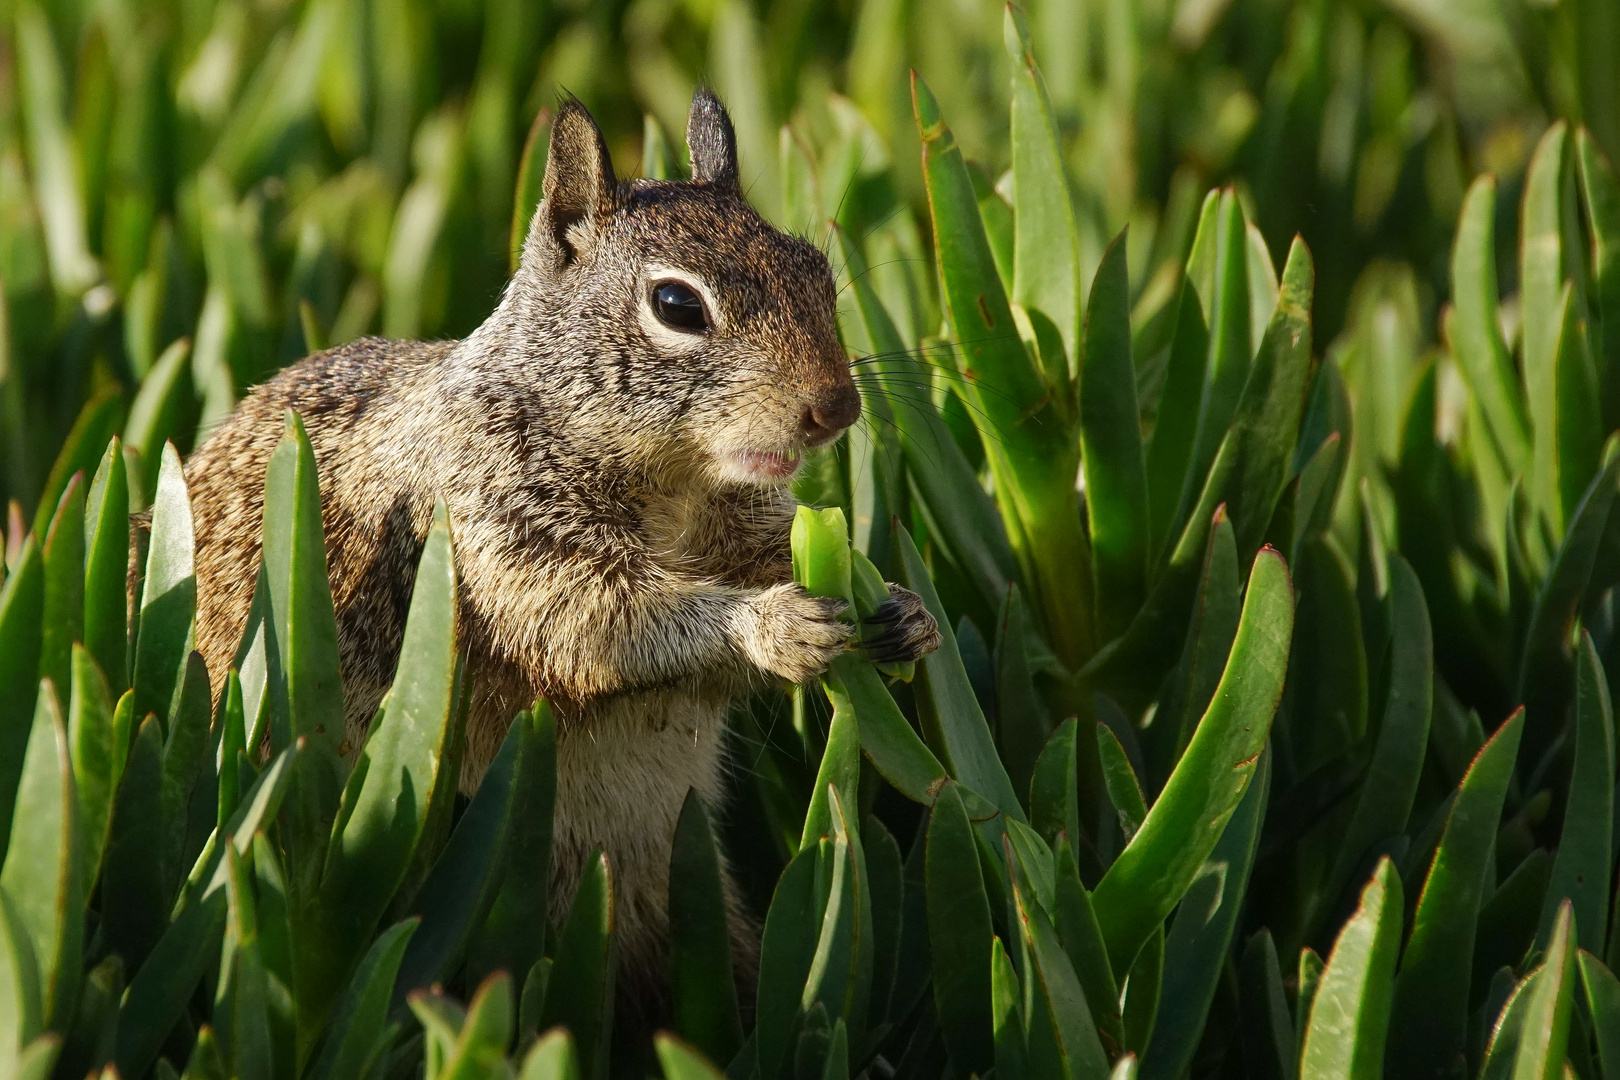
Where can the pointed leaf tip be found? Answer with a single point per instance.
(926, 108)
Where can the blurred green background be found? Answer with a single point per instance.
(202, 170)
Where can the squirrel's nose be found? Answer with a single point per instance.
(832, 414)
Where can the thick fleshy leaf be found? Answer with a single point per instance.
(106, 569)
(552, 1057)
(300, 599)
(959, 934)
(1200, 940)
(163, 985)
(585, 964)
(1124, 789)
(1053, 800)
(841, 757)
(840, 973)
(1170, 448)
(53, 154)
(1155, 869)
(20, 1006)
(1403, 735)
(1033, 462)
(1269, 1042)
(1229, 349)
(961, 516)
(1076, 923)
(1602, 992)
(1266, 417)
(1541, 281)
(1111, 446)
(391, 787)
(98, 759)
(1429, 1020)
(953, 722)
(1544, 1036)
(683, 1061)
(1543, 664)
(1012, 1052)
(1046, 239)
(786, 951)
(1139, 1010)
(1062, 1036)
(1580, 871)
(134, 899)
(887, 738)
(1474, 333)
(1580, 423)
(43, 873)
(187, 773)
(1210, 632)
(168, 593)
(97, 423)
(1349, 1015)
(1600, 198)
(513, 936)
(161, 404)
(703, 992)
(63, 621)
(459, 890)
(885, 872)
(22, 604)
(306, 696)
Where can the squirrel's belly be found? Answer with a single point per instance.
(622, 777)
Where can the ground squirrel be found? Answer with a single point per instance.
(614, 445)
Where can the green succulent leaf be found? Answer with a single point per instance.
(168, 593)
(702, 989)
(1017, 414)
(43, 873)
(1349, 1014)
(552, 1058)
(22, 604)
(1111, 446)
(1428, 1022)
(1474, 333)
(1200, 939)
(959, 933)
(1155, 869)
(461, 887)
(387, 802)
(584, 963)
(106, 569)
(64, 585)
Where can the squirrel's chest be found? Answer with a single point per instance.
(687, 529)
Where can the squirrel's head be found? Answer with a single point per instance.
(688, 329)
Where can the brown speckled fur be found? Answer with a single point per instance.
(608, 559)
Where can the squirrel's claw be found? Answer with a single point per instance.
(908, 630)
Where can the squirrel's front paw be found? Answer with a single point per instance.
(790, 633)
(904, 629)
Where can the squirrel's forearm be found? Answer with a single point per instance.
(588, 635)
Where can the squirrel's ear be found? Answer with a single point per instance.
(711, 142)
(579, 185)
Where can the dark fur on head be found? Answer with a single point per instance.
(617, 487)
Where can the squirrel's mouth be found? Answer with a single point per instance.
(761, 465)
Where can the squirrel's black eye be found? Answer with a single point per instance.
(679, 307)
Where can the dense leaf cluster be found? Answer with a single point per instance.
(1271, 734)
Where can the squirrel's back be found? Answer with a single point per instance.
(356, 404)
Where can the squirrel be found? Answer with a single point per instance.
(615, 446)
